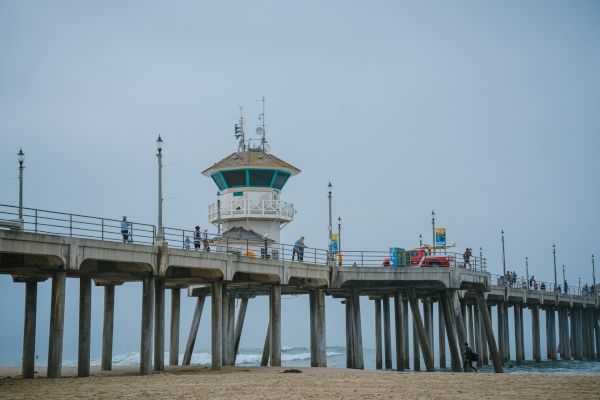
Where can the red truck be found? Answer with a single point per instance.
(422, 257)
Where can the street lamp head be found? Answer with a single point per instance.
(159, 144)
(502, 232)
(218, 195)
(340, 219)
(21, 156)
(432, 213)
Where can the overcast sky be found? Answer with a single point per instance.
(486, 112)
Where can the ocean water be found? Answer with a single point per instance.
(299, 356)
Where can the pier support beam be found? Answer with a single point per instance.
(357, 326)
(428, 322)
(318, 343)
(441, 336)
(597, 332)
(387, 333)
(501, 331)
(239, 326)
(107, 327)
(450, 331)
(489, 332)
(147, 323)
(400, 331)
(225, 323)
(405, 344)
(578, 333)
(217, 326)
(471, 327)
(550, 333)
(57, 323)
(174, 328)
(420, 328)
(535, 322)
(349, 333)
(28, 366)
(230, 335)
(267, 347)
(478, 335)
(519, 334)
(458, 321)
(378, 346)
(416, 347)
(191, 340)
(275, 308)
(85, 325)
(159, 325)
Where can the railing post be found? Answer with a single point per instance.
(183, 239)
(102, 228)
(36, 212)
(362, 259)
(227, 243)
(70, 224)
(247, 250)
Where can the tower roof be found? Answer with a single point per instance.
(256, 159)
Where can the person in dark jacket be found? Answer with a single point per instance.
(469, 358)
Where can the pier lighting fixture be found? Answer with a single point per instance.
(481, 258)
(593, 272)
(433, 230)
(219, 213)
(330, 251)
(554, 255)
(420, 240)
(527, 269)
(340, 241)
(159, 147)
(21, 159)
(503, 254)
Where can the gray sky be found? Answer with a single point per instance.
(486, 112)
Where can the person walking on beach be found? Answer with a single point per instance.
(125, 229)
(469, 358)
(467, 257)
(298, 249)
(197, 238)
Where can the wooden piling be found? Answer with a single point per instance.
(57, 321)
(191, 340)
(28, 366)
(147, 323)
(85, 324)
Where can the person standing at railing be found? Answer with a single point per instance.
(125, 225)
(187, 243)
(197, 238)
(566, 286)
(206, 242)
(467, 257)
(298, 249)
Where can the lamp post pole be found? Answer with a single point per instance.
(481, 258)
(503, 255)
(593, 272)
(420, 240)
(330, 250)
(564, 279)
(527, 270)
(339, 235)
(159, 146)
(554, 256)
(433, 231)
(219, 213)
(21, 158)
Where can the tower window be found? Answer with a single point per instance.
(280, 180)
(218, 178)
(235, 178)
(261, 177)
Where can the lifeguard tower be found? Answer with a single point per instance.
(250, 182)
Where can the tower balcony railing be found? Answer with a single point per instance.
(245, 208)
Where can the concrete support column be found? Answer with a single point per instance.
(275, 307)
(267, 347)
(231, 330)
(420, 329)
(57, 322)
(378, 347)
(519, 334)
(28, 366)
(225, 323)
(471, 325)
(321, 329)
(441, 336)
(535, 321)
(450, 331)
(217, 326)
(159, 325)
(567, 333)
(578, 333)
(107, 327)
(147, 323)
(550, 334)
(597, 332)
(459, 321)
(239, 326)
(416, 347)
(501, 331)
(191, 341)
(387, 332)
(400, 331)
(349, 332)
(174, 330)
(478, 338)
(85, 326)
(489, 332)
(573, 333)
(357, 326)
(507, 333)
(405, 344)
(428, 322)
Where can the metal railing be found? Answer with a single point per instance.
(77, 225)
(521, 282)
(250, 208)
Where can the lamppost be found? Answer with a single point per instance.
(339, 235)
(503, 255)
(420, 240)
(564, 280)
(554, 255)
(219, 213)
(527, 270)
(433, 231)
(21, 158)
(593, 272)
(330, 250)
(159, 146)
(481, 258)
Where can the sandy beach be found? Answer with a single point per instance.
(311, 383)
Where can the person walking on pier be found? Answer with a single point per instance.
(187, 243)
(469, 358)
(467, 257)
(206, 242)
(125, 229)
(197, 238)
(298, 249)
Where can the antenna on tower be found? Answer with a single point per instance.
(239, 131)
(261, 130)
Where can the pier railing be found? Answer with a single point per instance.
(84, 226)
(521, 282)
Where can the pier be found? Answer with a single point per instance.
(61, 246)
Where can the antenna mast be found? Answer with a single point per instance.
(239, 131)
(263, 140)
